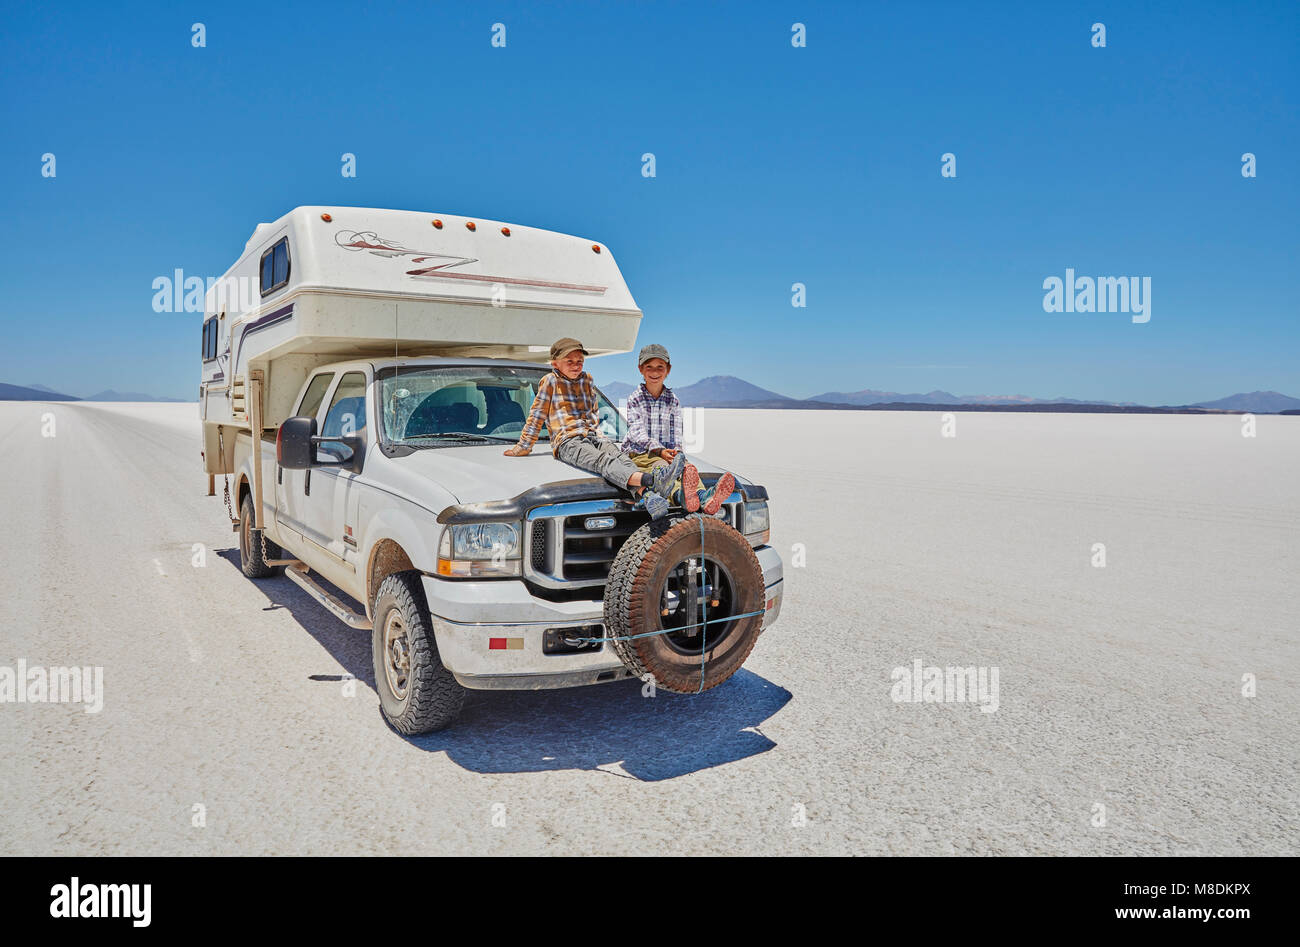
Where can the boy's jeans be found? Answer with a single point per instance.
(599, 456)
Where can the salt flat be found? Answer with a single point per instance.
(1121, 725)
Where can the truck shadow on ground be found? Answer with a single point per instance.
(614, 728)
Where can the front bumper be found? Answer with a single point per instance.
(467, 616)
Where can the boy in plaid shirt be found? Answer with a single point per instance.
(654, 435)
(566, 403)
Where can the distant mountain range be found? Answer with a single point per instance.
(870, 396)
(36, 392)
(31, 393)
(616, 390)
(716, 389)
(1256, 402)
(727, 391)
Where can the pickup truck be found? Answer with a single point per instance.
(476, 570)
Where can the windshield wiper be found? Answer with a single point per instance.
(459, 435)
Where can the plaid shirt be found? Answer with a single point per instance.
(653, 423)
(567, 408)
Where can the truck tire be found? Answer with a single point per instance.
(250, 552)
(654, 584)
(417, 694)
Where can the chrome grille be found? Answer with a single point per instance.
(588, 553)
(563, 553)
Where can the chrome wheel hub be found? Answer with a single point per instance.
(397, 655)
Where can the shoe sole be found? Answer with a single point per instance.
(663, 509)
(721, 490)
(690, 484)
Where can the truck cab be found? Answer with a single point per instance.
(514, 548)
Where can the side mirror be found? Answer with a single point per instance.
(293, 443)
(295, 447)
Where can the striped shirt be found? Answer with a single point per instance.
(653, 423)
(567, 408)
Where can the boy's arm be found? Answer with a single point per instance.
(536, 416)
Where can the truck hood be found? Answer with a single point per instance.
(479, 474)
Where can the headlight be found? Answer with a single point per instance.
(754, 518)
(479, 549)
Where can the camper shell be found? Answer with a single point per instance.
(326, 314)
(326, 284)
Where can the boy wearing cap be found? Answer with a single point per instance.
(566, 403)
(654, 435)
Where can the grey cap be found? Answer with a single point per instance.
(653, 350)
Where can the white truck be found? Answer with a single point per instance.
(363, 370)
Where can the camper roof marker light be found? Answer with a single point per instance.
(326, 217)
(595, 247)
(437, 223)
(470, 225)
(505, 231)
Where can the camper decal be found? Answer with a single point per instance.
(369, 240)
(358, 240)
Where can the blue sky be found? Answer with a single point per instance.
(775, 165)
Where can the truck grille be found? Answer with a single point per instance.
(564, 554)
(588, 553)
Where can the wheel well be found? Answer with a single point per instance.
(386, 558)
(243, 490)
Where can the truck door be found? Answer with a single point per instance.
(333, 489)
(291, 485)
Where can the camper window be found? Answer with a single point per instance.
(275, 267)
(209, 339)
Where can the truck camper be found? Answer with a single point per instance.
(363, 371)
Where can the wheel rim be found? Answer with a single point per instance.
(397, 655)
(245, 538)
(696, 590)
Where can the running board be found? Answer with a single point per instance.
(297, 571)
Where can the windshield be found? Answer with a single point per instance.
(436, 406)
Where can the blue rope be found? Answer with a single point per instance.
(704, 605)
(667, 631)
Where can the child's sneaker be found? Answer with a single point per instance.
(721, 490)
(663, 476)
(691, 488)
(655, 505)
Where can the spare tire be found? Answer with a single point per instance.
(669, 577)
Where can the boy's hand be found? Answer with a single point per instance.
(517, 451)
(668, 453)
